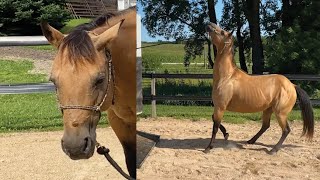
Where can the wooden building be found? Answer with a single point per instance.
(91, 8)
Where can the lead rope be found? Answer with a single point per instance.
(105, 151)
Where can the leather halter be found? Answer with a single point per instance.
(96, 108)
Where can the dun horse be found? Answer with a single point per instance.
(88, 81)
(234, 90)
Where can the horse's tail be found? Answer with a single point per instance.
(306, 112)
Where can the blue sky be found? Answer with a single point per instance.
(144, 32)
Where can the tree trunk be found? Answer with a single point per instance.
(213, 18)
(285, 17)
(252, 14)
(242, 58)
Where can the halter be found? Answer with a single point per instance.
(96, 108)
(225, 42)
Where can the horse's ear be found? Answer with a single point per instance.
(102, 40)
(53, 36)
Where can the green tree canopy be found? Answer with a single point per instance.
(184, 19)
(295, 48)
(22, 17)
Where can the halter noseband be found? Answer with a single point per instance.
(96, 108)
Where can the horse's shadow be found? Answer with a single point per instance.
(200, 144)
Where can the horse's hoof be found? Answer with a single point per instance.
(207, 150)
(250, 141)
(226, 136)
(272, 152)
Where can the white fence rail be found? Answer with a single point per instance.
(23, 41)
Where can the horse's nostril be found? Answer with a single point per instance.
(87, 145)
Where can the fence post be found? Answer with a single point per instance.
(153, 94)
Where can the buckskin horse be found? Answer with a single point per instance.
(234, 90)
(94, 70)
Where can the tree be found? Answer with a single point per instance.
(253, 16)
(295, 47)
(184, 19)
(233, 18)
(213, 19)
(22, 17)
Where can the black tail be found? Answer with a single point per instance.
(306, 112)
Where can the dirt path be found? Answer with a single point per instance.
(39, 156)
(179, 154)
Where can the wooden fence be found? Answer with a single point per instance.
(153, 97)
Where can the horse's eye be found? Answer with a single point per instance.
(99, 81)
(222, 33)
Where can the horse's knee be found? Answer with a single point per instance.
(286, 130)
(266, 125)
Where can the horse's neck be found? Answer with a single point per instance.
(224, 65)
(129, 19)
(129, 22)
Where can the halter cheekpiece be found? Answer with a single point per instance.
(96, 108)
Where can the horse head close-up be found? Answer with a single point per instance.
(92, 71)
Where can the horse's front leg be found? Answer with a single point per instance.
(217, 117)
(126, 133)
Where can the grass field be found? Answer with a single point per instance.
(17, 72)
(37, 112)
(154, 57)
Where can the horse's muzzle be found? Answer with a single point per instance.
(84, 150)
(211, 27)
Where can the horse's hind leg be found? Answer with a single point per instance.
(218, 114)
(266, 115)
(282, 119)
(222, 129)
(126, 133)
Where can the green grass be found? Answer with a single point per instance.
(35, 112)
(73, 23)
(15, 72)
(174, 53)
(205, 112)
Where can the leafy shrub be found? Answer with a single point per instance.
(21, 17)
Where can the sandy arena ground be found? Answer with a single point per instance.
(179, 154)
(38, 156)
